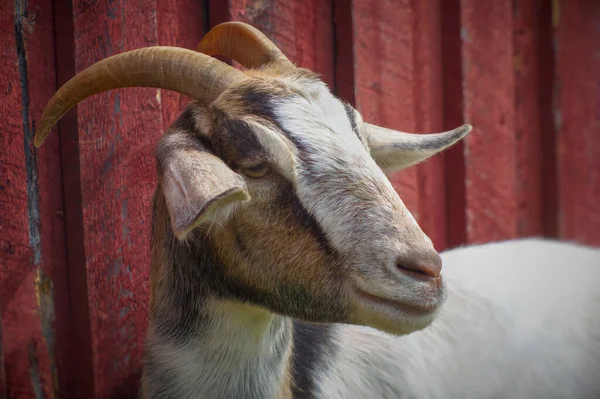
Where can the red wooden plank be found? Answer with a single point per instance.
(52, 290)
(578, 119)
(490, 167)
(181, 23)
(429, 117)
(79, 377)
(34, 296)
(456, 205)
(117, 134)
(3, 386)
(546, 95)
(301, 29)
(397, 82)
(526, 64)
(20, 326)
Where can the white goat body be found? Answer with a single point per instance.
(521, 320)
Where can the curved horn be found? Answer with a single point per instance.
(245, 44)
(184, 71)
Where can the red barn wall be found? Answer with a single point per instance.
(74, 215)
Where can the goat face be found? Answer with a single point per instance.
(286, 183)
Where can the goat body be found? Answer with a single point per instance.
(520, 321)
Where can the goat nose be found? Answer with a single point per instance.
(422, 266)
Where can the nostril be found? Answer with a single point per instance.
(423, 268)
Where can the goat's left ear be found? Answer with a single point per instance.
(394, 150)
(198, 186)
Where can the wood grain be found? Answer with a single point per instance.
(489, 98)
(577, 119)
(34, 294)
(452, 80)
(527, 25)
(117, 133)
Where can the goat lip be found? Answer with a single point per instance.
(408, 308)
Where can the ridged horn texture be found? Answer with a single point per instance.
(181, 70)
(245, 44)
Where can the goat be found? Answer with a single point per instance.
(284, 264)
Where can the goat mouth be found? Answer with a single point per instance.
(407, 308)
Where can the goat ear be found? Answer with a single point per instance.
(394, 150)
(197, 184)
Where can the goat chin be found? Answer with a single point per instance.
(520, 321)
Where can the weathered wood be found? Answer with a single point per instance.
(546, 98)
(489, 98)
(526, 64)
(396, 79)
(34, 296)
(577, 117)
(429, 116)
(301, 29)
(456, 205)
(117, 134)
(32, 286)
(80, 377)
(3, 386)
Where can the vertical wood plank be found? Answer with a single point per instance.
(51, 283)
(547, 98)
(396, 78)
(3, 386)
(21, 327)
(181, 23)
(490, 159)
(456, 205)
(301, 29)
(80, 376)
(33, 294)
(578, 119)
(527, 21)
(117, 134)
(429, 117)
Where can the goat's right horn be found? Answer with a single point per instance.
(184, 71)
(245, 44)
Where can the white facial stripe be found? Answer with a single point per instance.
(340, 184)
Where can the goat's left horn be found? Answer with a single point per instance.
(245, 44)
(184, 71)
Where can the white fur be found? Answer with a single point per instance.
(349, 182)
(521, 321)
(241, 354)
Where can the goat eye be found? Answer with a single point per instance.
(256, 171)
